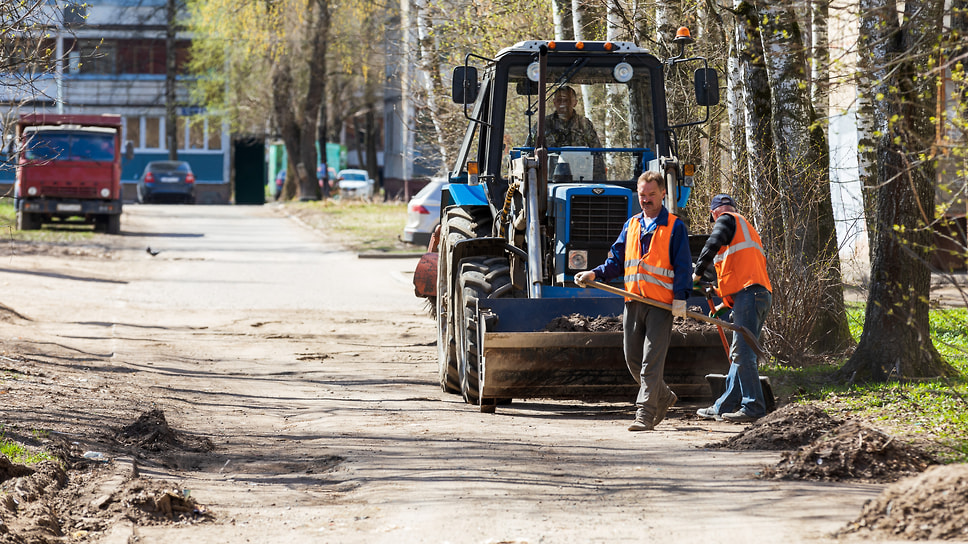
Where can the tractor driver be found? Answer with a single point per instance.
(568, 128)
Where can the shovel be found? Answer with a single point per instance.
(707, 290)
(747, 334)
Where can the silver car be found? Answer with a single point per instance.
(354, 183)
(423, 213)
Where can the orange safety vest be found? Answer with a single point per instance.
(741, 263)
(650, 276)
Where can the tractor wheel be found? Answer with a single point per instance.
(480, 278)
(458, 224)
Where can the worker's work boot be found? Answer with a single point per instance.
(643, 421)
(665, 403)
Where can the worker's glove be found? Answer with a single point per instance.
(679, 308)
(582, 278)
(719, 311)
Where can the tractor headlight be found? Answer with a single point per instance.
(622, 72)
(32, 191)
(105, 192)
(533, 71)
(578, 259)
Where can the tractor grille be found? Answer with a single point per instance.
(597, 218)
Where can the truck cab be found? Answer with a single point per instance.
(69, 169)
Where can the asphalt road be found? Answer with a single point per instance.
(313, 372)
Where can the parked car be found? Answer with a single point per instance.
(167, 181)
(423, 213)
(354, 183)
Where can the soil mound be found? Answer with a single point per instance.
(584, 323)
(151, 433)
(788, 428)
(852, 451)
(932, 505)
(10, 470)
(26, 508)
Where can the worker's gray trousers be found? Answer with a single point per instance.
(648, 331)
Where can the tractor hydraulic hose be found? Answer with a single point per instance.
(503, 219)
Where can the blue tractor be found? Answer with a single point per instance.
(519, 219)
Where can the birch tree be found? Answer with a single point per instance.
(899, 105)
(431, 77)
(812, 263)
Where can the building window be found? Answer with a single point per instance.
(96, 56)
(153, 132)
(196, 134)
(214, 134)
(132, 130)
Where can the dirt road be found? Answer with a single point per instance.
(313, 374)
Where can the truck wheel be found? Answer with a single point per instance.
(28, 221)
(458, 224)
(480, 278)
(113, 224)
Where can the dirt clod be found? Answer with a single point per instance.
(852, 451)
(151, 433)
(932, 505)
(584, 323)
(788, 428)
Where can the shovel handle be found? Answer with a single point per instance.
(747, 334)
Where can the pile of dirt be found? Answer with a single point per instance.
(932, 505)
(852, 451)
(75, 497)
(151, 433)
(28, 507)
(788, 428)
(584, 323)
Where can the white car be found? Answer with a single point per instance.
(354, 183)
(423, 213)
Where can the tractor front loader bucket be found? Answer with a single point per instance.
(521, 359)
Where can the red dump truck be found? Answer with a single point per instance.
(69, 170)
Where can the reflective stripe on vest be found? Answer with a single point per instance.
(651, 275)
(742, 262)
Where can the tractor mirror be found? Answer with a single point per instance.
(128, 150)
(464, 85)
(707, 87)
(526, 87)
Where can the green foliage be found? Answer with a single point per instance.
(19, 454)
(369, 226)
(933, 410)
(50, 233)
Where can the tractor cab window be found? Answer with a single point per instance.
(596, 128)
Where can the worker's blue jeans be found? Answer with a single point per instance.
(750, 308)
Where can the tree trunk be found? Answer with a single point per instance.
(736, 110)
(561, 16)
(896, 341)
(820, 61)
(433, 82)
(580, 22)
(171, 117)
(810, 243)
(762, 188)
